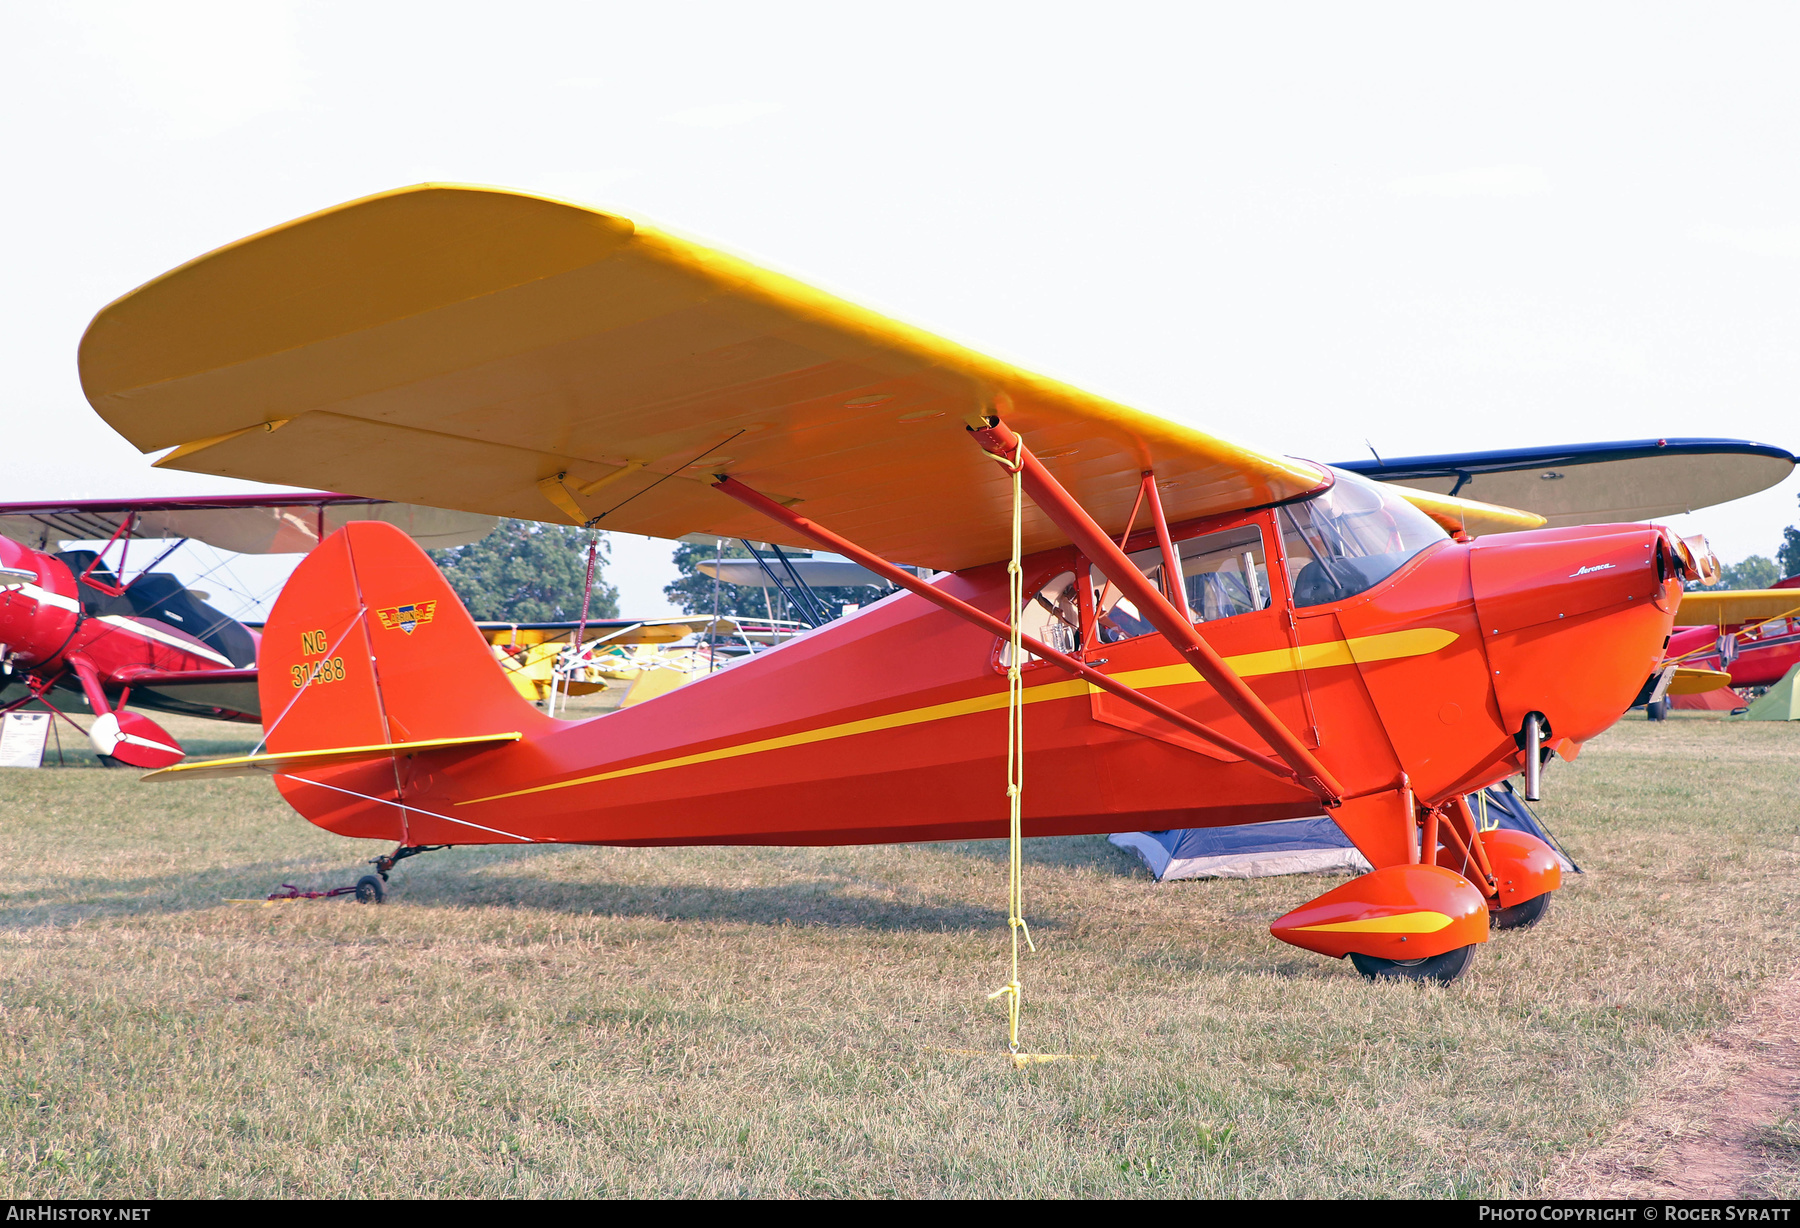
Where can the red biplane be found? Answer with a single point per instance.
(1209, 634)
(71, 621)
(1741, 638)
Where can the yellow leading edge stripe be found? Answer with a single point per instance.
(1390, 646)
(1400, 923)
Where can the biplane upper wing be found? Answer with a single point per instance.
(1595, 483)
(1732, 608)
(244, 524)
(508, 354)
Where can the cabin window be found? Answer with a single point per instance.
(1223, 574)
(1052, 615)
(1350, 538)
(1116, 616)
(1226, 573)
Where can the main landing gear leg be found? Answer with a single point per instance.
(372, 888)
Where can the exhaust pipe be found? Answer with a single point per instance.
(1534, 756)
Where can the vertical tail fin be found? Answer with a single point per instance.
(368, 644)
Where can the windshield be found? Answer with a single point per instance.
(1351, 538)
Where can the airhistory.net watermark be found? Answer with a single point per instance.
(62, 1213)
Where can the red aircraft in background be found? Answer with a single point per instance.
(1751, 635)
(71, 622)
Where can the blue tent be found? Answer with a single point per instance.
(1300, 846)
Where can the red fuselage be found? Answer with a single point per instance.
(889, 725)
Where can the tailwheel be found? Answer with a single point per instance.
(1522, 915)
(373, 888)
(1441, 969)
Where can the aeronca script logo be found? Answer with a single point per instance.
(406, 617)
(1582, 572)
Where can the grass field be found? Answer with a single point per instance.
(783, 1022)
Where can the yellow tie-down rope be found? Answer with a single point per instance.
(1015, 779)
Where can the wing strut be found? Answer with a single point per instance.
(997, 626)
(1045, 491)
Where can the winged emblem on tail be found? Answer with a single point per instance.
(407, 617)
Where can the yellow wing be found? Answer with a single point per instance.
(1470, 515)
(493, 351)
(649, 631)
(1730, 609)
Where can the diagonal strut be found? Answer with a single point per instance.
(905, 579)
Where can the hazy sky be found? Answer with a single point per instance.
(1431, 227)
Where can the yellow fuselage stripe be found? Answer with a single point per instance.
(1386, 647)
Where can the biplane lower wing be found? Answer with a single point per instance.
(1736, 607)
(1698, 681)
(222, 694)
(625, 631)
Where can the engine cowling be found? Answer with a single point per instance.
(37, 617)
(1573, 620)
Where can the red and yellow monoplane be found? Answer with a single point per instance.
(1210, 634)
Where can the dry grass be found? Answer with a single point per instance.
(775, 1021)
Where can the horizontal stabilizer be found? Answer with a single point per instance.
(299, 761)
(1729, 609)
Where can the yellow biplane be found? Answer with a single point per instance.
(543, 663)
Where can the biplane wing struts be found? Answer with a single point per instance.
(1275, 635)
(1735, 638)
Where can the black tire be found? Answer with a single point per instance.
(1522, 916)
(1658, 711)
(1440, 969)
(370, 890)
